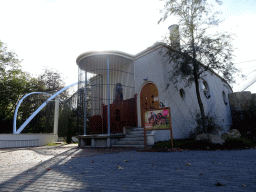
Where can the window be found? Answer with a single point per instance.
(224, 98)
(206, 89)
(182, 93)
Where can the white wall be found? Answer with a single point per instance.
(150, 67)
(154, 66)
(215, 106)
(26, 140)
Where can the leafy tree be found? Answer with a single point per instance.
(14, 84)
(51, 81)
(201, 50)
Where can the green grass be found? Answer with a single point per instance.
(161, 126)
(204, 145)
(54, 144)
(51, 144)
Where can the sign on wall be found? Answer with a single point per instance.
(157, 119)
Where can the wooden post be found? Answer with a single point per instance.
(145, 137)
(102, 117)
(135, 97)
(171, 128)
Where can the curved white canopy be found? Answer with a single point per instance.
(95, 61)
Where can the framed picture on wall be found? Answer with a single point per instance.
(157, 119)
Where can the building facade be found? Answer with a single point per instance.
(139, 82)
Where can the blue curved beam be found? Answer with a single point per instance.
(17, 107)
(37, 111)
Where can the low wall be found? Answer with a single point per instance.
(243, 110)
(242, 101)
(26, 140)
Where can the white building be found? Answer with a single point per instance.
(143, 78)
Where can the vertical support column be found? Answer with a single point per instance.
(56, 115)
(108, 93)
(85, 102)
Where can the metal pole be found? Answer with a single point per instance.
(85, 102)
(108, 93)
(56, 114)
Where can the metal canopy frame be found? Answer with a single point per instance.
(108, 70)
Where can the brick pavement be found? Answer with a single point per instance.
(68, 168)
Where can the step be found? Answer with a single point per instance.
(134, 135)
(138, 129)
(136, 132)
(129, 142)
(131, 146)
(132, 139)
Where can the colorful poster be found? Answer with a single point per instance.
(157, 119)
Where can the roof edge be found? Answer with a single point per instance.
(94, 53)
(158, 45)
(148, 50)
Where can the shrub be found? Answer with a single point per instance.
(212, 126)
(238, 143)
(244, 123)
(203, 145)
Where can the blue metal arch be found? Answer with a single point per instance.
(38, 110)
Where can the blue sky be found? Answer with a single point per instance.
(52, 33)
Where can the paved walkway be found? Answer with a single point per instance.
(68, 168)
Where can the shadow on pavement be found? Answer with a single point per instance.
(55, 172)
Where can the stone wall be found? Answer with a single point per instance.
(242, 102)
(243, 111)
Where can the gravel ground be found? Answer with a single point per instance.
(69, 168)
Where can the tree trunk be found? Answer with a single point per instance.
(200, 103)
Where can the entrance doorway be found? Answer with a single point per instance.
(148, 99)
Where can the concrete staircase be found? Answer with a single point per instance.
(134, 138)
